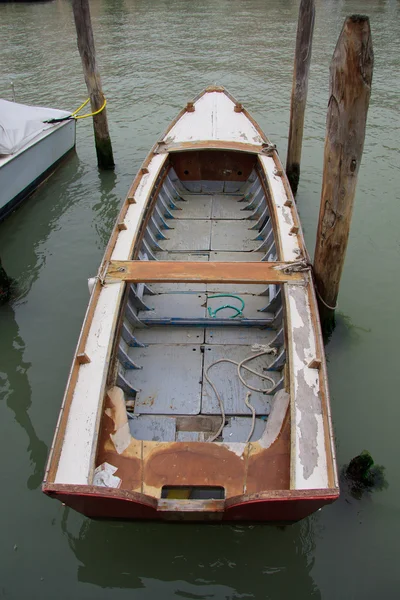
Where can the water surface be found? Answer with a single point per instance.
(154, 57)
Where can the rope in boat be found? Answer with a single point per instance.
(75, 113)
(241, 365)
(299, 266)
(239, 311)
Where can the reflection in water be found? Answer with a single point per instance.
(44, 208)
(344, 332)
(155, 56)
(105, 211)
(16, 391)
(196, 561)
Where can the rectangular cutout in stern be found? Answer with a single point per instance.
(192, 492)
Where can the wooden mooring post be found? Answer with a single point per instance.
(350, 88)
(86, 48)
(302, 60)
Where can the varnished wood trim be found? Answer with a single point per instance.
(137, 271)
(283, 495)
(82, 358)
(315, 363)
(213, 144)
(213, 88)
(190, 506)
(53, 489)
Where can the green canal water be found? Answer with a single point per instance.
(154, 57)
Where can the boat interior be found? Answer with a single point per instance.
(202, 362)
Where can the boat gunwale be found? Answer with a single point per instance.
(58, 438)
(333, 479)
(316, 326)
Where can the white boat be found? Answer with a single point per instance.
(30, 149)
(199, 389)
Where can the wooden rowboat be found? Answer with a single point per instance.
(198, 388)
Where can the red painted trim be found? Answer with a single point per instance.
(281, 506)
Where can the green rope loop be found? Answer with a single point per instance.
(239, 311)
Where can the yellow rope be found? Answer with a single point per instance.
(89, 114)
(80, 108)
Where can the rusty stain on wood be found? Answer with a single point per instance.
(198, 464)
(269, 469)
(130, 468)
(148, 466)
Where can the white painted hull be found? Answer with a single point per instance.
(21, 173)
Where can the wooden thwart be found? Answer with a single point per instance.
(137, 271)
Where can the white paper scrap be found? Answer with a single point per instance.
(104, 476)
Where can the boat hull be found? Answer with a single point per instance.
(22, 173)
(281, 506)
(160, 463)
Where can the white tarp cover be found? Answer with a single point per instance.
(20, 124)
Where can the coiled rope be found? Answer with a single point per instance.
(241, 365)
(239, 311)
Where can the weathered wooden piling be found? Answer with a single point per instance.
(350, 88)
(87, 52)
(301, 70)
(5, 285)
